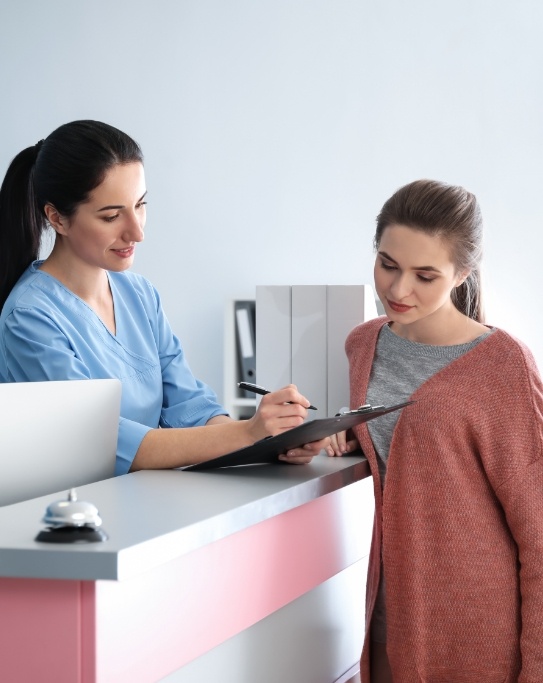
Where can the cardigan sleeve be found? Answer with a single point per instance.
(522, 499)
(518, 457)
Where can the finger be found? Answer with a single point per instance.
(338, 444)
(290, 394)
(284, 424)
(352, 446)
(308, 450)
(316, 447)
(342, 441)
(279, 408)
(332, 448)
(274, 418)
(296, 457)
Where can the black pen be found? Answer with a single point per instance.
(255, 389)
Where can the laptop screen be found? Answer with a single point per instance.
(56, 435)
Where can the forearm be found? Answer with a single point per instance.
(178, 447)
(219, 419)
(169, 448)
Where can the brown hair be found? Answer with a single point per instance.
(451, 213)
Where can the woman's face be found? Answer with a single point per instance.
(414, 276)
(104, 230)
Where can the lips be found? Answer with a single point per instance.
(399, 308)
(124, 253)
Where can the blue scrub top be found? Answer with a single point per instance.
(49, 333)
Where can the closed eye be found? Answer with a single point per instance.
(425, 278)
(387, 266)
(420, 276)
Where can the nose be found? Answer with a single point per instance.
(134, 228)
(401, 286)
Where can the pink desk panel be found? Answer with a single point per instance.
(143, 628)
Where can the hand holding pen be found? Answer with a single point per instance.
(279, 411)
(256, 389)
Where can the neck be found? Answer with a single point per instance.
(89, 283)
(442, 328)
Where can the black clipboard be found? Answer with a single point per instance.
(267, 450)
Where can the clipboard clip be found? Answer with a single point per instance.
(366, 408)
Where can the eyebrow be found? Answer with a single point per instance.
(119, 206)
(430, 269)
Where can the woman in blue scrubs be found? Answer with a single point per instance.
(81, 313)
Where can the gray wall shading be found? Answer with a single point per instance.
(274, 130)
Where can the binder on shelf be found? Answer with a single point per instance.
(246, 342)
(301, 332)
(274, 335)
(346, 307)
(308, 334)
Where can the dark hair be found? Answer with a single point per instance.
(451, 213)
(61, 170)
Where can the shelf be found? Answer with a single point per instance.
(238, 406)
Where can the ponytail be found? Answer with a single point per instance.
(22, 222)
(467, 297)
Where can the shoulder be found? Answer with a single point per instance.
(365, 333)
(521, 354)
(127, 278)
(134, 284)
(507, 349)
(30, 291)
(502, 365)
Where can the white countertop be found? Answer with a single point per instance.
(155, 516)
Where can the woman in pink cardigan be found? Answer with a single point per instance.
(455, 581)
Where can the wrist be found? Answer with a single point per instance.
(254, 429)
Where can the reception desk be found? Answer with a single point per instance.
(238, 575)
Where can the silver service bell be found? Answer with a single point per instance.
(72, 521)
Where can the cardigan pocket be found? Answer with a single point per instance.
(438, 674)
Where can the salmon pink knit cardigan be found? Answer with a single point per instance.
(460, 522)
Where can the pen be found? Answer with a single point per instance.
(255, 389)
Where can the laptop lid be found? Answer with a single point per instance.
(56, 435)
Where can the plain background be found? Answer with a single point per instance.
(274, 130)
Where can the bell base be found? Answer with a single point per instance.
(71, 534)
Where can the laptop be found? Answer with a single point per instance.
(56, 435)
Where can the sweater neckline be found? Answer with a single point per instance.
(402, 345)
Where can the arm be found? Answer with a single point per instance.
(522, 498)
(277, 412)
(190, 403)
(36, 348)
(296, 456)
(512, 453)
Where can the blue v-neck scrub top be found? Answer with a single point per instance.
(49, 333)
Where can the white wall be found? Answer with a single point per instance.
(274, 130)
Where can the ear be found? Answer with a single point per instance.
(462, 277)
(58, 222)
